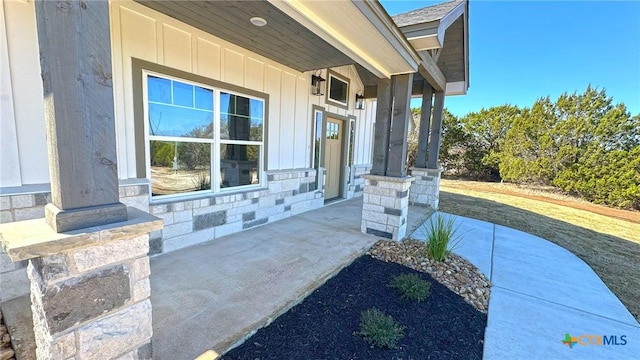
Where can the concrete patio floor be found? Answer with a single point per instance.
(540, 293)
(209, 297)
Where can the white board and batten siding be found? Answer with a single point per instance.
(23, 148)
(140, 32)
(364, 118)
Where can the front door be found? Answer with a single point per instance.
(333, 158)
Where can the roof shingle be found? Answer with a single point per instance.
(426, 14)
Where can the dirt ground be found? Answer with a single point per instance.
(607, 239)
(165, 180)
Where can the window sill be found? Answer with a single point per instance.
(209, 195)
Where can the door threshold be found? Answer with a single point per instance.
(334, 200)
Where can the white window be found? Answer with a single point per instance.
(201, 139)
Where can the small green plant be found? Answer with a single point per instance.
(380, 329)
(411, 286)
(441, 236)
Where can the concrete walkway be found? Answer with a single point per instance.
(210, 296)
(540, 293)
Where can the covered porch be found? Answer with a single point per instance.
(210, 297)
(90, 242)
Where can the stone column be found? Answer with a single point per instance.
(425, 191)
(90, 290)
(385, 206)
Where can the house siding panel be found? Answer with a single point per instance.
(272, 87)
(233, 69)
(26, 98)
(254, 75)
(287, 113)
(176, 48)
(302, 125)
(208, 59)
(10, 164)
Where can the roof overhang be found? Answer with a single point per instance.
(430, 35)
(361, 30)
(442, 41)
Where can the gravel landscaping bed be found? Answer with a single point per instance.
(326, 323)
(456, 273)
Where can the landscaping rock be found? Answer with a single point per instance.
(456, 273)
(6, 351)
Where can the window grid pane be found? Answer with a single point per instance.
(182, 139)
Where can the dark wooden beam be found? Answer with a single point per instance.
(75, 54)
(396, 165)
(425, 121)
(382, 128)
(436, 130)
(431, 72)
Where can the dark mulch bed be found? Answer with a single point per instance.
(322, 326)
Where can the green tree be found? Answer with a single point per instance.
(528, 149)
(488, 129)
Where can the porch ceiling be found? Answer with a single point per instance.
(282, 40)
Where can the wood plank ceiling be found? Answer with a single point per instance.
(282, 40)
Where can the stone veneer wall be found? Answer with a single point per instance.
(28, 205)
(357, 187)
(186, 222)
(190, 222)
(385, 206)
(425, 191)
(94, 302)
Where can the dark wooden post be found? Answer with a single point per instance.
(75, 54)
(425, 122)
(396, 164)
(436, 131)
(383, 127)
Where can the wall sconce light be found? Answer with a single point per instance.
(359, 102)
(316, 84)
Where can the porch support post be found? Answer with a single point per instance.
(425, 122)
(385, 202)
(90, 289)
(436, 131)
(383, 127)
(75, 53)
(426, 189)
(396, 164)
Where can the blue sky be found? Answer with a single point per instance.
(523, 50)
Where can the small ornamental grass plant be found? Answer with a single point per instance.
(380, 329)
(411, 286)
(441, 236)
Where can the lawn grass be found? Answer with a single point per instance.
(606, 239)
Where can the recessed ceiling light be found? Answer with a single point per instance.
(258, 21)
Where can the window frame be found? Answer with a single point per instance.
(144, 69)
(331, 75)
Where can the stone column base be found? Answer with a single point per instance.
(90, 289)
(426, 189)
(385, 206)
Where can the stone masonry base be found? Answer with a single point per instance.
(385, 206)
(90, 289)
(425, 191)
